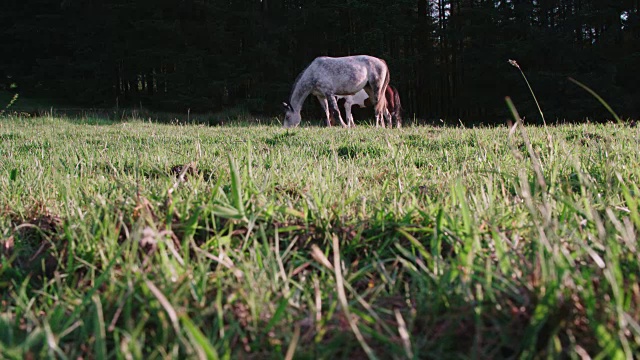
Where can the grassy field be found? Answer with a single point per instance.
(133, 240)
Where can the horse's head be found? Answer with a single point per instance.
(291, 117)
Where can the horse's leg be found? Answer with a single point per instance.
(388, 117)
(323, 103)
(398, 119)
(351, 122)
(373, 96)
(380, 118)
(348, 104)
(333, 106)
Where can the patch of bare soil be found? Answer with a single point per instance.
(183, 171)
(34, 246)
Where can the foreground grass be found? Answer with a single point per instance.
(131, 240)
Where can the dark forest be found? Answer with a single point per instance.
(448, 58)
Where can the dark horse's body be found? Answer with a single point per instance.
(392, 111)
(394, 107)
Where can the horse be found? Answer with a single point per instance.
(392, 110)
(326, 77)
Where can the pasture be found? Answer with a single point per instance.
(132, 239)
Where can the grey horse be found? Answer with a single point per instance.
(326, 77)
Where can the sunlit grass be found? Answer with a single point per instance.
(135, 239)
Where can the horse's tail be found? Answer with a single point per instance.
(382, 100)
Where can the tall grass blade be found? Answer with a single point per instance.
(203, 346)
(291, 350)
(600, 99)
(236, 188)
(515, 64)
(342, 296)
(100, 347)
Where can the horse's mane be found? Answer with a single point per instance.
(295, 82)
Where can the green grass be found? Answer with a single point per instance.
(135, 239)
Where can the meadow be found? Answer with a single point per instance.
(133, 239)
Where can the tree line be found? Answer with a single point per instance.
(448, 58)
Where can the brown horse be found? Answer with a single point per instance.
(391, 112)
